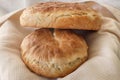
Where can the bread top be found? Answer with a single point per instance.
(58, 6)
(57, 45)
(61, 15)
(53, 54)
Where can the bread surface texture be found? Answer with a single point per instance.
(61, 15)
(55, 53)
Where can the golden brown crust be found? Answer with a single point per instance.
(61, 15)
(53, 55)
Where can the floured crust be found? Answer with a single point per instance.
(61, 15)
(53, 55)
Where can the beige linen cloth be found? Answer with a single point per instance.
(104, 51)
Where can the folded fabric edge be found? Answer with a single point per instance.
(6, 17)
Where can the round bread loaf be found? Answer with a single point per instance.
(53, 54)
(61, 15)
